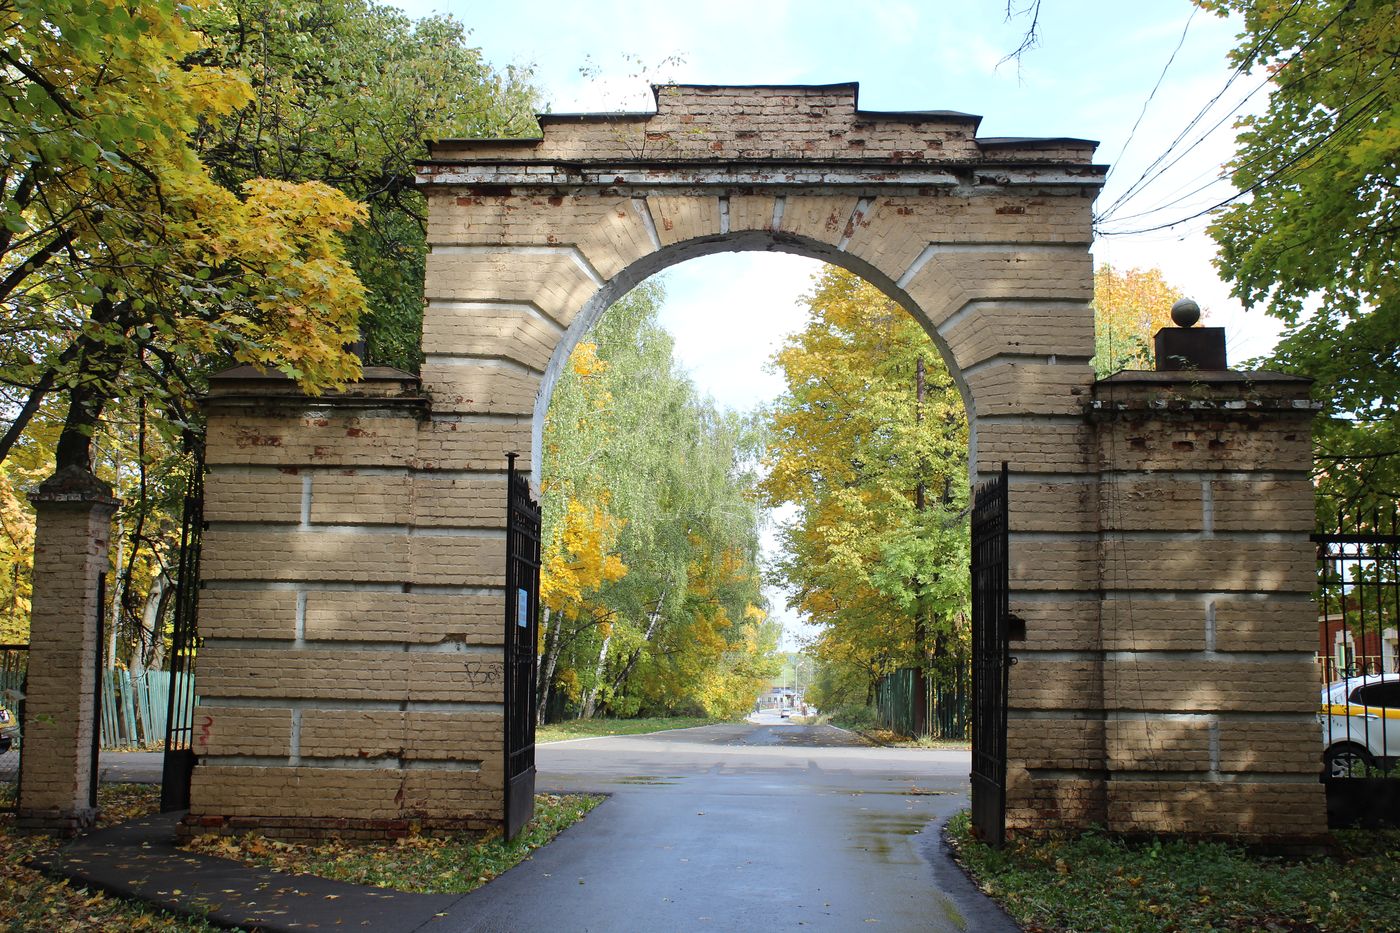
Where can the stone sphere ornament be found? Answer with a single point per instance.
(1185, 313)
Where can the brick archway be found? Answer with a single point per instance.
(353, 588)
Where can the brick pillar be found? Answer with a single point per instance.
(73, 516)
(1208, 622)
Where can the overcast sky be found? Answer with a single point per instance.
(1091, 77)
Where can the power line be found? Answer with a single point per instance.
(1272, 176)
(1155, 88)
(1155, 168)
(1240, 69)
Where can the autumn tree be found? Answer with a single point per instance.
(1315, 238)
(869, 444)
(121, 257)
(182, 191)
(347, 92)
(1129, 308)
(651, 533)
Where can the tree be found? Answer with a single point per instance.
(346, 92)
(1313, 239)
(869, 444)
(650, 532)
(121, 258)
(1129, 307)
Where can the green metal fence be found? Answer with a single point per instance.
(898, 696)
(134, 709)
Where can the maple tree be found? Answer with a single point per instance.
(1315, 239)
(346, 92)
(869, 444)
(121, 258)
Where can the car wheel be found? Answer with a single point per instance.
(1344, 761)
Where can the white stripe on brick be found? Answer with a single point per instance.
(858, 214)
(644, 212)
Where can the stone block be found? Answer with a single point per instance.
(1204, 686)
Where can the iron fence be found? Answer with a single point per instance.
(1358, 660)
(944, 701)
(14, 668)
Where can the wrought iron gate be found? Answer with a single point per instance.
(1358, 563)
(522, 621)
(991, 657)
(184, 644)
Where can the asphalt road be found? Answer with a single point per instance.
(763, 825)
(757, 826)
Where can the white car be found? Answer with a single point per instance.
(1360, 725)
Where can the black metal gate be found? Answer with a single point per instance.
(184, 644)
(991, 658)
(522, 632)
(14, 669)
(1359, 667)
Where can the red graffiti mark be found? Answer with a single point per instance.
(204, 730)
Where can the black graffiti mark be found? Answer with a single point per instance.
(484, 673)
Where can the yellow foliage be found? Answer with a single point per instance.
(580, 559)
(16, 561)
(1129, 307)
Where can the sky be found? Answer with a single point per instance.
(1136, 76)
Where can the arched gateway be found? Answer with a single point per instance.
(353, 600)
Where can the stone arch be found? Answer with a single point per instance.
(742, 241)
(360, 536)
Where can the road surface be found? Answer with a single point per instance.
(764, 825)
(761, 825)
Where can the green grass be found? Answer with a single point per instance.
(454, 863)
(1095, 882)
(590, 728)
(30, 901)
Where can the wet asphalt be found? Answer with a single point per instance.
(766, 825)
(762, 825)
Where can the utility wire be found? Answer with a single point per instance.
(1329, 140)
(1272, 176)
(1118, 204)
(1155, 88)
(1239, 70)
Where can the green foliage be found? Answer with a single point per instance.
(188, 186)
(650, 531)
(1317, 240)
(122, 260)
(347, 92)
(1099, 882)
(877, 554)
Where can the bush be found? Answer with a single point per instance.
(856, 718)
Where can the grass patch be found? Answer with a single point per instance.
(591, 728)
(31, 901)
(1097, 882)
(453, 863)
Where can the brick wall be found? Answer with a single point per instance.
(73, 515)
(353, 564)
(1208, 623)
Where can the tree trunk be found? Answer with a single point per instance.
(149, 650)
(921, 689)
(591, 699)
(547, 664)
(118, 590)
(653, 618)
